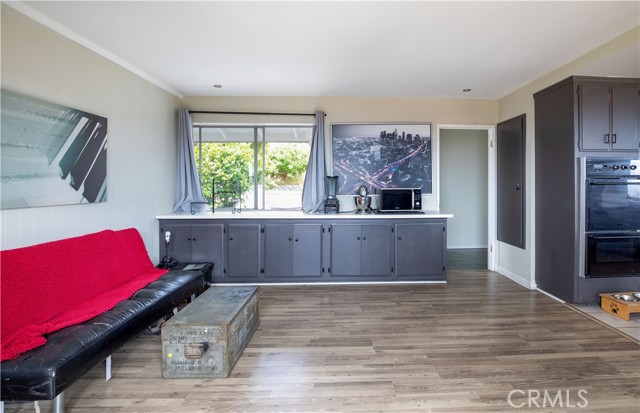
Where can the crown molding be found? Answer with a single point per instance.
(23, 8)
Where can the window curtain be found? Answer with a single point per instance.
(313, 190)
(188, 189)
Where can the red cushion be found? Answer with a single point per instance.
(53, 285)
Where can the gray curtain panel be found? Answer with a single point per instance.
(313, 191)
(188, 189)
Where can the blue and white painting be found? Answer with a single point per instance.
(382, 156)
(50, 154)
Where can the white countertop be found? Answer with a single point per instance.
(270, 214)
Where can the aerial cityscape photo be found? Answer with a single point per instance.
(382, 156)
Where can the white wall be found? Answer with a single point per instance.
(518, 263)
(464, 163)
(142, 122)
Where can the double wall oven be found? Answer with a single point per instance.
(612, 217)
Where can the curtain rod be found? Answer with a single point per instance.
(252, 113)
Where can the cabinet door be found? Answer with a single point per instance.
(593, 106)
(376, 249)
(345, 249)
(510, 189)
(625, 118)
(180, 244)
(420, 249)
(243, 250)
(207, 245)
(278, 250)
(307, 250)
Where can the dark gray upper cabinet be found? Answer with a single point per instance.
(511, 181)
(420, 249)
(609, 117)
(293, 250)
(625, 117)
(361, 249)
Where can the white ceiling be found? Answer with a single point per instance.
(363, 48)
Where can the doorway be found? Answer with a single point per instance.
(466, 165)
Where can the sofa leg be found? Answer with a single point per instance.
(58, 403)
(175, 310)
(107, 368)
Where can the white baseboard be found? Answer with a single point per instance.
(465, 247)
(529, 284)
(551, 296)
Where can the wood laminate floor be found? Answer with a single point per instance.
(460, 347)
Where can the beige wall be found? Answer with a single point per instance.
(358, 110)
(141, 134)
(520, 262)
(351, 109)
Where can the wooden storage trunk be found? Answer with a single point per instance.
(207, 337)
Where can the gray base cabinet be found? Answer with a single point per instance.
(420, 249)
(244, 257)
(312, 250)
(202, 242)
(293, 250)
(361, 250)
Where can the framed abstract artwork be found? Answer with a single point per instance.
(50, 154)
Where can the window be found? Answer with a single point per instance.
(256, 167)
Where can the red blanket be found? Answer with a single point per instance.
(53, 285)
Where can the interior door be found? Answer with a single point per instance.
(511, 181)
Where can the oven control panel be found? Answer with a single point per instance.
(613, 167)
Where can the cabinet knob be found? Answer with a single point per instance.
(364, 238)
(290, 239)
(358, 238)
(230, 238)
(296, 239)
(194, 239)
(613, 138)
(606, 138)
(399, 238)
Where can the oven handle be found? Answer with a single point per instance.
(614, 237)
(634, 182)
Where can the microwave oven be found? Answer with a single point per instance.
(400, 199)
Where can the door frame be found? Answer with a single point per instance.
(491, 184)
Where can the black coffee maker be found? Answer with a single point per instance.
(331, 204)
